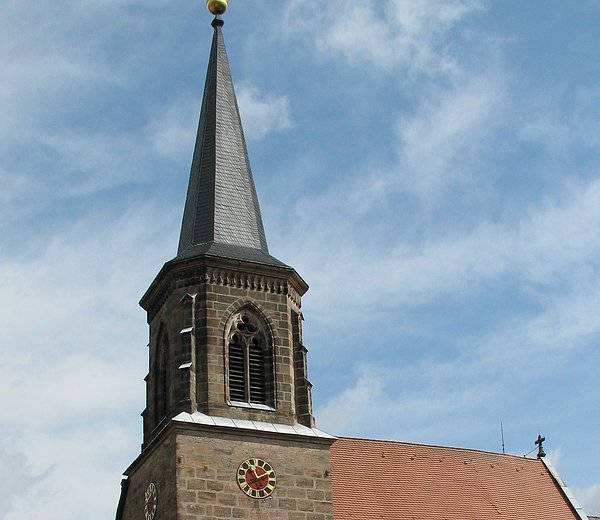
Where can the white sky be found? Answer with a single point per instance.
(429, 167)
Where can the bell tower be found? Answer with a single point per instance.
(224, 315)
(228, 429)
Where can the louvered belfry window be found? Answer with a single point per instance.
(250, 372)
(161, 379)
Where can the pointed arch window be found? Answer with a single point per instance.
(250, 361)
(161, 379)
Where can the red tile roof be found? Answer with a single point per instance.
(397, 481)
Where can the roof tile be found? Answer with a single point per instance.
(399, 481)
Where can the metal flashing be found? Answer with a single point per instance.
(224, 421)
(239, 424)
(254, 406)
(265, 427)
(285, 428)
(564, 488)
(300, 429)
(244, 424)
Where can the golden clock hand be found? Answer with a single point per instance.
(256, 478)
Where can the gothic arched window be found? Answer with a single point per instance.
(161, 379)
(250, 361)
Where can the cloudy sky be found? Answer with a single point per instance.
(431, 168)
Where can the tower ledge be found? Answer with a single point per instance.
(217, 269)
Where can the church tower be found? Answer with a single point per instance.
(228, 426)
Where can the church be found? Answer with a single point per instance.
(228, 428)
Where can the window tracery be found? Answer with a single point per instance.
(250, 360)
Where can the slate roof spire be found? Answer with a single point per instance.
(222, 214)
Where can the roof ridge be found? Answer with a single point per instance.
(454, 448)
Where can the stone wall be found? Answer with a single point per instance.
(207, 488)
(157, 464)
(220, 303)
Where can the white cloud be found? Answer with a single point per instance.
(262, 113)
(344, 411)
(77, 459)
(53, 60)
(79, 387)
(390, 34)
(71, 387)
(448, 137)
(554, 457)
(431, 396)
(548, 256)
(172, 132)
(16, 477)
(561, 118)
(553, 244)
(91, 162)
(406, 402)
(589, 498)
(61, 132)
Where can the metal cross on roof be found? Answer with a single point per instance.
(539, 444)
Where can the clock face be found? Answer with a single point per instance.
(256, 478)
(150, 501)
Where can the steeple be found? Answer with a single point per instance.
(222, 214)
(224, 315)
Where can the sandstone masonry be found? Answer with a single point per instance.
(195, 467)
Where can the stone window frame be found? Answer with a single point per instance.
(263, 331)
(161, 376)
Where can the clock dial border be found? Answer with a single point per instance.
(256, 478)
(150, 501)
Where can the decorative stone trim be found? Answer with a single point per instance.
(256, 306)
(223, 277)
(249, 281)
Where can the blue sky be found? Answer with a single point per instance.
(430, 168)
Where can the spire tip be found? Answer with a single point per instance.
(216, 7)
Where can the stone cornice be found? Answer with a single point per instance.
(175, 426)
(224, 272)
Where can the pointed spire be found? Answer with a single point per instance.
(222, 214)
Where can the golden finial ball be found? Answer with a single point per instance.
(216, 7)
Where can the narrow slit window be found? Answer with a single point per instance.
(161, 388)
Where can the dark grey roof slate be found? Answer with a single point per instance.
(248, 254)
(221, 207)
